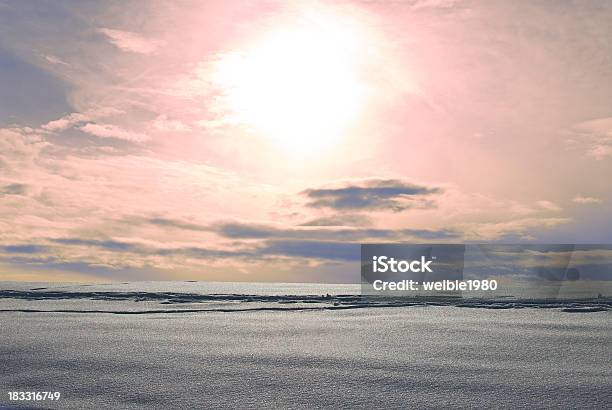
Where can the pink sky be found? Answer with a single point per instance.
(264, 140)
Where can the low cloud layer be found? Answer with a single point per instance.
(251, 231)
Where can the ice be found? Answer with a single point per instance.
(305, 351)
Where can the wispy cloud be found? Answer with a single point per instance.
(55, 60)
(601, 150)
(519, 228)
(548, 205)
(131, 41)
(597, 136)
(163, 123)
(587, 200)
(65, 122)
(113, 131)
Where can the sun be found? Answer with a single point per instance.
(298, 87)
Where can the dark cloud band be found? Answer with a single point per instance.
(389, 194)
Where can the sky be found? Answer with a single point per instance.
(265, 140)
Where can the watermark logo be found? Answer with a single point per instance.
(382, 264)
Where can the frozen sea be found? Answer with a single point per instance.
(233, 345)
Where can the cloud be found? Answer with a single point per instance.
(23, 249)
(599, 126)
(113, 131)
(548, 205)
(61, 270)
(601, 151)
(130, 41)
(55, 60)
(332, 245)
(43, 256)
(314, 249)
(75, 119)
(65, 122)
(435, 4)
(340, 220)
(175, 223)
(431, 234)
(383, 194)
(587, 200)
(163, 123)
(141, 252)
(238, 230)
(13, 189)
(598, 136)
(254, 231)
(519, 228)
(106, 244)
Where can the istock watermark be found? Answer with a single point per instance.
(536, 271)
(384, 263)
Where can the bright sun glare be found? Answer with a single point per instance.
(298, 87)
